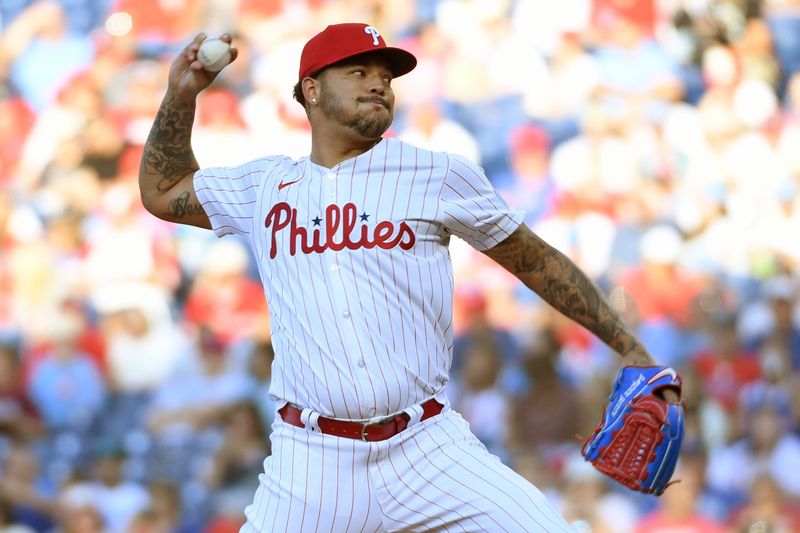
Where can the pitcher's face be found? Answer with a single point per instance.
(357, 94)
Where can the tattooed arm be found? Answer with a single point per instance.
(560, 282)
(168, 164)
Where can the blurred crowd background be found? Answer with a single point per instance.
(656, 142)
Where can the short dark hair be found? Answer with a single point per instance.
(297, 93)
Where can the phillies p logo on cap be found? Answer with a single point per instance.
(372, 30)
(341, 41)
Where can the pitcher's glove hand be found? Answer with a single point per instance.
(639, 439)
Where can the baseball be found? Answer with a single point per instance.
(214, 54)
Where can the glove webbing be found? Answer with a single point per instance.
(632, 446)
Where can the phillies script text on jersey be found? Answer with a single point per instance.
(283, 216)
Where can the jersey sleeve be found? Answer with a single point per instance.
(229, 196)
(472, 209)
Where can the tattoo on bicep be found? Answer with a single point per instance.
(519, 252)
(168, 150)
(182, 206)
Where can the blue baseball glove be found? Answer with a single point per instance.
(639, 439)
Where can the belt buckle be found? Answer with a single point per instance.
(366, 425)
(364, 432)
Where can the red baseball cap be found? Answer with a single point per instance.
(340, 41)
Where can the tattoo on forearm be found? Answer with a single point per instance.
(563, 285)
(182, 206)
(168, 150)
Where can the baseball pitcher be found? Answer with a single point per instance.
(352, 248)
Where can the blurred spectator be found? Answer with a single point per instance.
(567, 82)
(663, 291)
(7, 522)
(66, 385)
(31, 281)
(19, 419)
(180, 420)
(678, 506)
(707, 425)
(528, 185)
(427, 128)
(592, 391)
(777, 384)
(783, 17)
(158, 25)
(16, 121)
(542, 417)
(586, 497)
(636, 75)
(260, 374)
(77, 511)
(768, 509)
(8, 320)
(755, 48)
(24, 488)
(596, 164)
(177, 405)
(540, 471)
(480, 398)
(29, 45)
(224, 299)
(148, 521)
(790, 130)
(167, 512)
(103, 147)
(767, 446)
(123, 248)
(143, 345)
(220, 135)
(777, 323)
(472, 308)
(84, 519)
(224, 524)
(133, 94)
(726, 366)
(609, 15)
(237, 462)
(116, 499)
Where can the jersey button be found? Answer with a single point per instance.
(331, 176)
(334, 268)
(346, 314)
(361, 363)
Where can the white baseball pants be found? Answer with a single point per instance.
(434, 476)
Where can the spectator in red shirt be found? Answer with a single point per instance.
(224, 298)
(726, 366)
(660, 287)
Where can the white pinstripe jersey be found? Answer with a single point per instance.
(356, 269)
